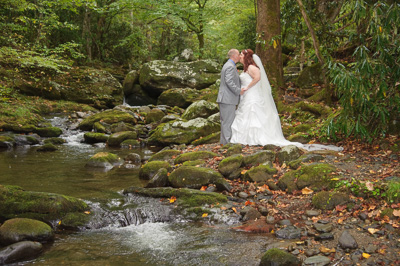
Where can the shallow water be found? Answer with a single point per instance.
(147, 242)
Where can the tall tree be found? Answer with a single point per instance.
(269, 46)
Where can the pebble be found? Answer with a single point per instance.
(317, 261)
(346, 240)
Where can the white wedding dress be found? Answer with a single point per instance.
(257, 121)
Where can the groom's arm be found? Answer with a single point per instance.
(230, 76)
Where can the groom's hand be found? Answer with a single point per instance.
(242, 91)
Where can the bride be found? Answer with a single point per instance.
(257, 121)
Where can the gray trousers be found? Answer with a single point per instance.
(227, 115)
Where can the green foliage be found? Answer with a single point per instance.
(393, 192)
(368, 86)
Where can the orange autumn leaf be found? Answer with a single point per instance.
(306, 191)
(234, 209)
(204, 215)
(203, 188)
(366, 255)
(396, 213)
(172, 199)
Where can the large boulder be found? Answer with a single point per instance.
(116, 139)
(48, 207)
(20, 251)
(309, 76)
(200, 109)
(182, 132)
(95, 87)
(109, 117)
(130, 80)
(181, 97)
(160, 75)
(150, 169)
(276, 256)
(194, 177)
(21, 229)
(195, 155)
(104, 160)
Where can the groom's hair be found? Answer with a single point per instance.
(232, 52)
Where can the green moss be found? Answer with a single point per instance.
(55, 141)
(109, 116)
(194, 163)
(91, 137)
(148, 170)
(259, 158)
(48, 131)
(326, 200)
(212, 138)
(275, 256)
(74, 220)
(15, 202)
(316, 109)
(164, 155)
(116, 139)
(260, 173)
(129, 143)
(47, 147)
(230, 164)
(193, 177)
(192, 156)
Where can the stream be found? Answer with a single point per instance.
(127, 230)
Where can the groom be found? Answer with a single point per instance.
(228, 95)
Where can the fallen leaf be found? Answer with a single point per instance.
(204, 215)
(327, 250)
(203, 188)
(369, 186)
(396, 213)
(306, 191)
(87, 212)
(172, 199)
(372, 230)
(234, 209)
(366, 255)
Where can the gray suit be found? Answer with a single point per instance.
(228, 98)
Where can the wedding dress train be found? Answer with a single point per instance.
(257, 121)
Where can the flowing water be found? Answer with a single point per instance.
(127, 230)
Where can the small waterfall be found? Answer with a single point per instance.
(72, 135)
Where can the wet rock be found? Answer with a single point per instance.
(48, 131)
(289, 232)
(6, 142)
(191, 156)
(116, 139)
(91, 137)
(288, 153)
(317, 261)
(160, 179)
(277, 256)
(20, 251)
(165, 155)
(193, 177)
(20, 229)
(182, 132)
(200, 108)
(105, 160)
(155, 115)
(47, 147)
(346, 240)
(251, 214)
(150, 169)
(133, 158)
(109, 117)
(55, 141)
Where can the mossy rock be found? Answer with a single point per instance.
(75, 220)
(325, 200)
(148, 170)
(276, 256)
(309, 76)
(130, 143)
(288, 153)
(106, 160)
(299, 137)
(193, 177)
(48, 132)
(234, 149)
(55, 141)
(155, 115)
(109, 116)
(15, 202)
(186, 197)
(17, 128)
(210, 139)
(101, 127)
(200, 108)
(230, 164)
(191, 156)
(22, 229)
(116, 139)
(316, 109)
(197, 163)
(259, 158)
(260, 174)
(165, 155)
(121, 126)
(6, 142)
(305, 158)
(182, 132)
(181, 97)
(160, 179)
(47, 147)
(315, 176)
(91, 137)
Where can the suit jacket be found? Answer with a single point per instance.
(229, 89)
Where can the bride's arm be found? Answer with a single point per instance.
(254, 73)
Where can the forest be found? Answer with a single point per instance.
(356, 43)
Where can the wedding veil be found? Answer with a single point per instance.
(264, 91)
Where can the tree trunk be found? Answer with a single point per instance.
(200, 37)
(86, 34)
(328, 91)
(270, 51)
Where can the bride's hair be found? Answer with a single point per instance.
(248, 59)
